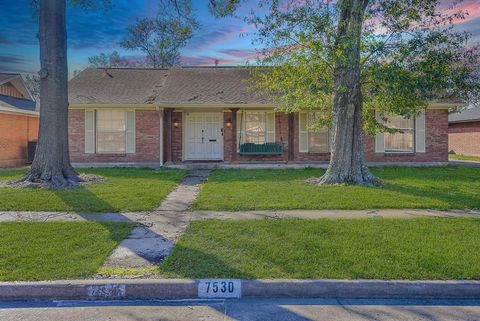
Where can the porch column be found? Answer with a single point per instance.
(291, 137)
(168, 135)
(234, 135)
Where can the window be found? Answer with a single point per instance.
(111, 131)
(313, 140)
(403, 140)
(257, 127)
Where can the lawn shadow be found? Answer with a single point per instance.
(182, 263)
(81, 200)
(453, 201)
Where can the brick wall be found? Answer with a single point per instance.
(436, 142)
(15, 132)
(436, 135)
(147, 140)
(464, 138)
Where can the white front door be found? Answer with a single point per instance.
(204, 136)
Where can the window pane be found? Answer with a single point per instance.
(318, 141)
(111, 127)
(255, 129)
(400, 141)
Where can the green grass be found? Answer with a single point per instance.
(123, 190)
(420, 248)
(56, 250)
(464, 157)
(448, 187)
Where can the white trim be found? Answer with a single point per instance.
(17, 111)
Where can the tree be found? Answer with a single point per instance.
(33, 84)
(51, 166)
(111, 60)
(347, 58)
(162, 37)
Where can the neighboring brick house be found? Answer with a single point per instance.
(209, 114)
(464, 132)
(18, 120)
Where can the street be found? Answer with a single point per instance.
(246, 309)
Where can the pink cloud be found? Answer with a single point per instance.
(471, 8)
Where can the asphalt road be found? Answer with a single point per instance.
(255, 310)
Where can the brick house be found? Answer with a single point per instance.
(208, 114)
(464, 132)
(18, 120)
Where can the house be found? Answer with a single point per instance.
(209, 114)
(18, 120)
(464, 132)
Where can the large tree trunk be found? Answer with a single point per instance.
(347, 163)
(51, 166)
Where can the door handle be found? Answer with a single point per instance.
(221, 131)
(212, 140)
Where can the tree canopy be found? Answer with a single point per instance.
(162, 37)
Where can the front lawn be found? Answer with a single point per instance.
(447, 187)
(123, 190)
(464, 157)
(420, 248)
(56, 250)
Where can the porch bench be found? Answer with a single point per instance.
(261, 149)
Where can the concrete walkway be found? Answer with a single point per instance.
(153, 239)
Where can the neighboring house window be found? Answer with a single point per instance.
(312, 140)
(402, 140)
(111, 131)
(256, 127)
(410, 137)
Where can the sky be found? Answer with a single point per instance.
(91, 32)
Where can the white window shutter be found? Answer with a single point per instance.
(130, 132)
(420, 132)
(380, 137)
(303, 133)
(240, 129)
(89, 131)
(270, 117)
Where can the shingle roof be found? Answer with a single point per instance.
(19, 103)
(116, 86)
(466, 115)
(177, 85)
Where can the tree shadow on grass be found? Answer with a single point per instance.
(451, 200)
(186, 262)
(81, 200)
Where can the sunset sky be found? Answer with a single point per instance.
(93, 32)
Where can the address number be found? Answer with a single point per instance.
(219, 288)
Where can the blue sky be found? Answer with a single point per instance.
(93, 32)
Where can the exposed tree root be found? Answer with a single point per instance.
(354, 177)
(53, 181)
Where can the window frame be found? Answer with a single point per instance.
(97, 131)
(242, 126)
(413, 130)
(307, 132)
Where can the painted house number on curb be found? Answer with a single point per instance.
(219, 288)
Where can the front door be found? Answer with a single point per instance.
(204, 136)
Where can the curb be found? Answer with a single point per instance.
(147, 289)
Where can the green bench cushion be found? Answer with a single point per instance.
(261, 149)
